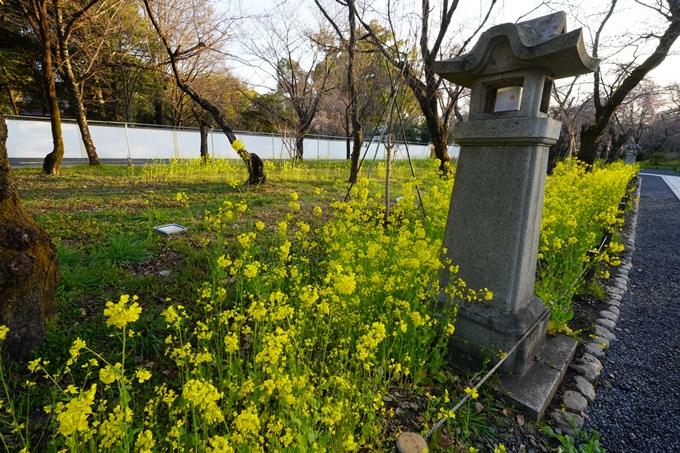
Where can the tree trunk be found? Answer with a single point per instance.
(159, 111)
(204, 140)
(438, 133)
(81, 119)
(76, 92)
(299, 147)
(52, 161)
(348, 136)
(12, 100)
(590, 141)
(29, 270)
(357, 132)
(77, 98)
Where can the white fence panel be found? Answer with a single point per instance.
(32, 138)
(110, 141)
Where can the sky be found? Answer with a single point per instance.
(629, 19)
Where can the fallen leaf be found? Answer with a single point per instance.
(520, 419)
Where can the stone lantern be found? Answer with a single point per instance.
(492, 231)
(632, 150)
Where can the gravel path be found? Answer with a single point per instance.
(637, 408)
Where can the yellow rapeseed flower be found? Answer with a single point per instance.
(73, 416)
(204, 396)
(248, 422)
(223, 261)
(120, 314)
(113, 428)
(231, 343)
(145, 442)
(3, 332)
(110, 374)
(77, 345)
(143, 375)
(238, 146)
(219, 444)
(251, 269)
(472, 392)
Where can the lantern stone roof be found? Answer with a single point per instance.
(537, 43)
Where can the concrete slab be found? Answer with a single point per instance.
(532, 391)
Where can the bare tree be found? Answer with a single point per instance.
(299, 61)
(573, 109)
(630, 77)
(349, 44)
(200, 14)
(662, 132)
(429, 89)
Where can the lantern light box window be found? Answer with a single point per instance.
(508, 99)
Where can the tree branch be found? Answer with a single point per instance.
(596, 44)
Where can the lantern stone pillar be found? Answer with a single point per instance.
(492, 231)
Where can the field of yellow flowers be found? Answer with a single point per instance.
(295, 316)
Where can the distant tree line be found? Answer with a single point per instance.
(345, 70)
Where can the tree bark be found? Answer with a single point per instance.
(29, 270)
(352, 112)
(81, 116)
(591, 135)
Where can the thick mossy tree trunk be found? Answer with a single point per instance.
(29, 270)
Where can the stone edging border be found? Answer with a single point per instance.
(587, 368)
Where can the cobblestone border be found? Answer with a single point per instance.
(587, 368)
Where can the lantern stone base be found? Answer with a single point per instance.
(483, 331)
(532, 391)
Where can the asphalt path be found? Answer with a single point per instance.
(637, 408)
